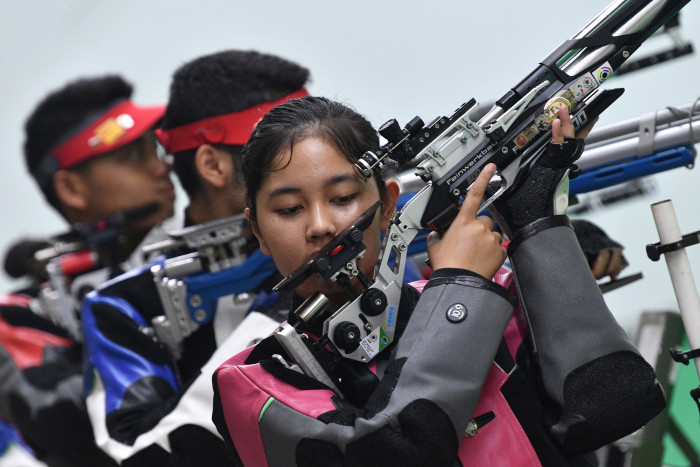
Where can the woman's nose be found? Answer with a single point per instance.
(321, 224)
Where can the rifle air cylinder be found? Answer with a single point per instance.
(182, 266)
(312, 308)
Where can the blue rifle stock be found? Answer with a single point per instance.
(635, 148)
(201, 264)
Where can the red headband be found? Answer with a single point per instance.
(234, 128)
(117, 127)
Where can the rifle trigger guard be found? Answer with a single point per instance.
(485, 205)
(507, 176)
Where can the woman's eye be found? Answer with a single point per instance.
(345, 199)
(288, 211)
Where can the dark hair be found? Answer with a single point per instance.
(61, 113)
(221, 83)
(348, 131)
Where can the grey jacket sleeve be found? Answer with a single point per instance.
(427, 395)
(602, 386)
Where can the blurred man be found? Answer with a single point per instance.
(150, 400)
(92, 152)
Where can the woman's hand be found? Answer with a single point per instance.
(470, 242)
(563, 128)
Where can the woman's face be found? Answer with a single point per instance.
(305, 204)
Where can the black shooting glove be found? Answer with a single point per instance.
(543, 192)
(598, 387)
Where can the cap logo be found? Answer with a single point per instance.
(111, 130)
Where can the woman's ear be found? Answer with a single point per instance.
(71, 190)
(256, 231)
(213, 165)
(391, 196)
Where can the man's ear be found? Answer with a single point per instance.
(391, 196)
(256, 231)
(213, 165)
(71, 189)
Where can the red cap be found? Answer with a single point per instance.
(234, 128)
(115, 128)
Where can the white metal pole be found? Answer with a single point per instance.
(681, 274)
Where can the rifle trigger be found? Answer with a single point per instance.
(493, 197)
(509, 173)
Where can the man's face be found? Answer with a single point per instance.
(127, 178)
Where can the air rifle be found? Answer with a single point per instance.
(627, 151)
(208, 261)
(85, 248)
(452, 150)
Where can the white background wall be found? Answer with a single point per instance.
(388, 59)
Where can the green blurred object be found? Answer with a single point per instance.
(672, 439)
(685, 413)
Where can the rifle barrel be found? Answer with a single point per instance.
(634, 125)
(673, 136)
